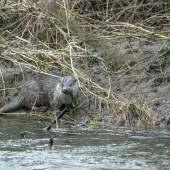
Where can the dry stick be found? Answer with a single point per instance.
(3, 84)
(107, 6)
(134, 10)
(99, 10)
(148, 67)
(67, 18)
(48, 46)
(131, 49)
(56, 36)
(108, 100)
(56, 121)
(94, 105)
(75, 73)
(27, 142)
(42, 42)
(26, 28)
(148, 11)
(159, 98)
(130, 4)
(75, 2)
(140, 28)
(107, 21)
(18, 25)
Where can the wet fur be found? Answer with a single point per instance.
(50, 93)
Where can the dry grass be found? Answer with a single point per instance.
(34, 34)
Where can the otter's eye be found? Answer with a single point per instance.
(70, 84)
(62, 85)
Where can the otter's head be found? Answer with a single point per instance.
(67, 84)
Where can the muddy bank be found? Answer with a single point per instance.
(152, 90)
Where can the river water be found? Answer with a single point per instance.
(77, 148)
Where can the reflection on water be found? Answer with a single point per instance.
(78, 148)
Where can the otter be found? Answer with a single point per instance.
(45, 90)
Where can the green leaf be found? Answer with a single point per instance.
(94, 118)
(78, 102)
(69, 113)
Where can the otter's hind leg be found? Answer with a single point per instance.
(31, 94)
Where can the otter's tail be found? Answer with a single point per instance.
(11, 106)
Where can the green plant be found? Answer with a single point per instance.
(69, 113)
(95, 119)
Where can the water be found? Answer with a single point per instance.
(82, 148)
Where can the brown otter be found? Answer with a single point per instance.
(52, 91)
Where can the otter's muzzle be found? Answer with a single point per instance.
(66, 90)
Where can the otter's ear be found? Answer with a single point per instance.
(75, 80)
(59, 80)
